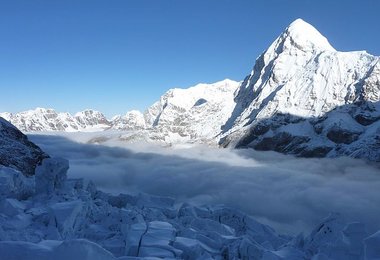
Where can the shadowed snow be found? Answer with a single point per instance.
(291, 194)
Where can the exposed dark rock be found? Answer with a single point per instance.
(260, 129)
(200, 101)
(246, 140)
(275, 143)
(318, 128)
(17, 151)
(349, 130)
(339, 136)
(365, 120)
(319, 151)
(282, 142)
(253, 134)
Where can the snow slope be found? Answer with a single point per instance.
(133, 120)
(195, 114)
(306, 98)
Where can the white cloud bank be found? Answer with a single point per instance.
(290, 194)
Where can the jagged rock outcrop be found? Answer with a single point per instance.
(16, 151)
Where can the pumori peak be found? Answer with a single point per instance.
(302, 36)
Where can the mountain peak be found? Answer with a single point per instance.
(300, 24)
(305, 37)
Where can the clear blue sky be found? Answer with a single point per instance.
(117, 55)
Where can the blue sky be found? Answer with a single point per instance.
(117, 55)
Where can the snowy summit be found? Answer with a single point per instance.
(304, 36)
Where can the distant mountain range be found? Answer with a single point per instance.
(43, 119)
(302, 97)
(181, 115)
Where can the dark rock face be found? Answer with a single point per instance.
(318, 151)
(366, 119)
(284, 142)
(17, 151)
(281, 142)
(350, 130)
(340, 136)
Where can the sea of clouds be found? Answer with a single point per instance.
(290, 194)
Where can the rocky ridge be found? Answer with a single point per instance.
(16, 151)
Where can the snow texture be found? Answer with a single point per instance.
(81, 222)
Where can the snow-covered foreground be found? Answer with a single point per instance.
(290, 194)
(50, 216)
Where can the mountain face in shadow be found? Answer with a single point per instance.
(305, 98)
(350, 130)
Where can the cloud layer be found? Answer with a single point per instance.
(290, 194)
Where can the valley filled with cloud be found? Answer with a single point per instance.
(291, 194)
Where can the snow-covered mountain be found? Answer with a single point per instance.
(42, 119)
(132, 120)
(89, 118)
(195, 114)
(304, 97)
